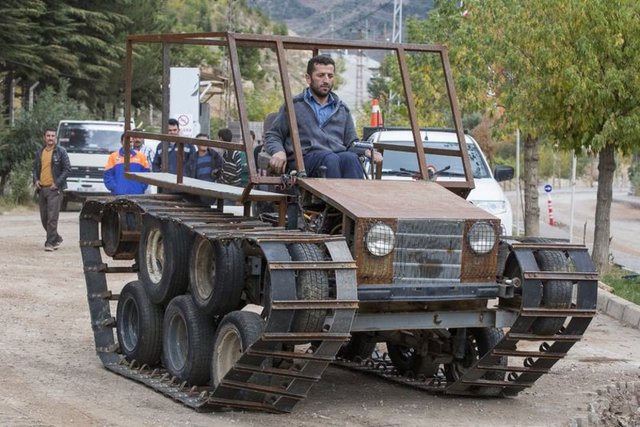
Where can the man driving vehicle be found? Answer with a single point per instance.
(326, 129)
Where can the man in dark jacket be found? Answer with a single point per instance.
(206, 164)
(326, 129)
(50, 178)
(173, 128)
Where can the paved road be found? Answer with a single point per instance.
(625, 221)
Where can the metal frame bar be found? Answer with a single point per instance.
(233, 41)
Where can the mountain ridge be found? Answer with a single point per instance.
(341, 19)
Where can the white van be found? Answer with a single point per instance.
(487, 193)
(89, 144)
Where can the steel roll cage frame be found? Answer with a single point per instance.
(231, 41)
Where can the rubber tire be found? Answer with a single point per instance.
(163, 259)
(237, 331)
(483, 339)
(216, 275)
(357, 349)
(311, 285)
(139, 323)
(187, 340)
(555, 293)
(408, 362)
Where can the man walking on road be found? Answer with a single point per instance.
(50, 178)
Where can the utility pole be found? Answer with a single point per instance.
(230, 27)
(359, 71)
(397, 21)
(397, 33)
(332, 27)
(359, 79)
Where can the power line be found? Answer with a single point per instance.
(358, 19)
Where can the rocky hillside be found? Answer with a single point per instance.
(340, 19)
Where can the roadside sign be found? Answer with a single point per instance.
(548, 188)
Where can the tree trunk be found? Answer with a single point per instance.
(601, 235)
(8, 97)
(4, 178)
(531, 207)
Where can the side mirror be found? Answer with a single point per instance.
(503, 173)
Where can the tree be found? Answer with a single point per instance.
(565, 71)
(19, 144)
(16, 32)
(585, 56)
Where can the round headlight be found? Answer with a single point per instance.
(481, 237)
(380, 240)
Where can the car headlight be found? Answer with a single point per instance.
(380, 239)
(481, 237)
(496, 207)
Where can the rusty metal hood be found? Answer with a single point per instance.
(362, 198)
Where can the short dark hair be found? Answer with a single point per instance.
(50, 129)
(173, 122)
(202, 134)
(225, 134)
(122, 138)
(319, 59)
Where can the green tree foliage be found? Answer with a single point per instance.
(16, 36)
(191, 16)
(21, 142)
(566, 71)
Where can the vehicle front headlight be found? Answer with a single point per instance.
(481, 237)
(380, 239)
(496, 207)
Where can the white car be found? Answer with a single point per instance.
(487, 193)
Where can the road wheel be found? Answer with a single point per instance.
(479, 341)
(187, 341)
(216, 275)
(139, 325)
(237, 331)
(358, 348)
(115, 223)
(410, 363)
(311, 285)
(163, 253)
(555, 293)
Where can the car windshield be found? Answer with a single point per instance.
(89, 137)
(398, 162)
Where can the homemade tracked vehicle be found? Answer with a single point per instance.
(246, 312)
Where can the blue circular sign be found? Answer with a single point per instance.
(548, 188)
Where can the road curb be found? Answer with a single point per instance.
(620, 309)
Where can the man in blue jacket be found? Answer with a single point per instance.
(173, 128)
(326, 129)
(114, 178)
(50, 173)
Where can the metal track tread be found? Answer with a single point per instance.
(277, 389)
(534, 364)
(254, 383)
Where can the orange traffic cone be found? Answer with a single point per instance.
(376, 115)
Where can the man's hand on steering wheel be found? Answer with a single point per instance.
(377, 157)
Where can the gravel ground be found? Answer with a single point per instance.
(51, 375)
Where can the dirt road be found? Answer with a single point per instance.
(51, 375)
